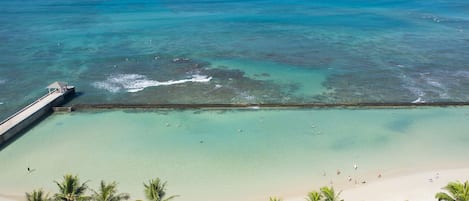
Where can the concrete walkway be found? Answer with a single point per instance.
(27, 111)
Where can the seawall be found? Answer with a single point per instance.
(269, 105)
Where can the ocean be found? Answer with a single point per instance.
(232, 51)
(257, 51)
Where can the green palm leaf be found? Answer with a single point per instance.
(275, 199)
(329, 194)
(70, 189)
(108, 192)
(155, 190)
(37, 195)
(457, 191)
(313, 196)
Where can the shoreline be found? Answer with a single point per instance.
(415, 186)
(418, 186)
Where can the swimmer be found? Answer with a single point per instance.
(379, 176)
(349, 178)
(30, 171)
(338, 172)
(355, 166)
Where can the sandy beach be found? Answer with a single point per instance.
(420, 186)
(416, 187)
(11, 197)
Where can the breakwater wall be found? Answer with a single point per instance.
(268, 105)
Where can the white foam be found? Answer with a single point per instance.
(135, 82)
(107, 86)
(461, 73)
(432, 81)
(247, 97)
(418, 100)
(2, 81)
(438, 85)
(425, 83)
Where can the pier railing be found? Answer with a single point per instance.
(27, 107)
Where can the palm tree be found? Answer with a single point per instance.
(275, 199)
(37, 195)
(155, 190)
(457, 192)
(108, 192)
(313, 196)
(70, 189)
(329, 194)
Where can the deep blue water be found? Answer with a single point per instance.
(250, 51)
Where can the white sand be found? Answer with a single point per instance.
(414, 187)
(11, 198)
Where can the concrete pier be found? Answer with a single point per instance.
(28, 115)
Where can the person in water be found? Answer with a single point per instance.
(30, 170)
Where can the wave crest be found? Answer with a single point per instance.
(135, 82)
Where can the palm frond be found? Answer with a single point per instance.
(457, 191)
(108, 192)
(155, 190)
(313, 196)
(443, 197)
(329, 194)
(275, 199)
(70, 189)
(37, 195)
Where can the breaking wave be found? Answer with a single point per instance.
(135, 82)
(426, 83)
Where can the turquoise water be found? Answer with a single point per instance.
(305, 51)
(233, 51)
(235, 154)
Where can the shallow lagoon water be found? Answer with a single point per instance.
(235, 154)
